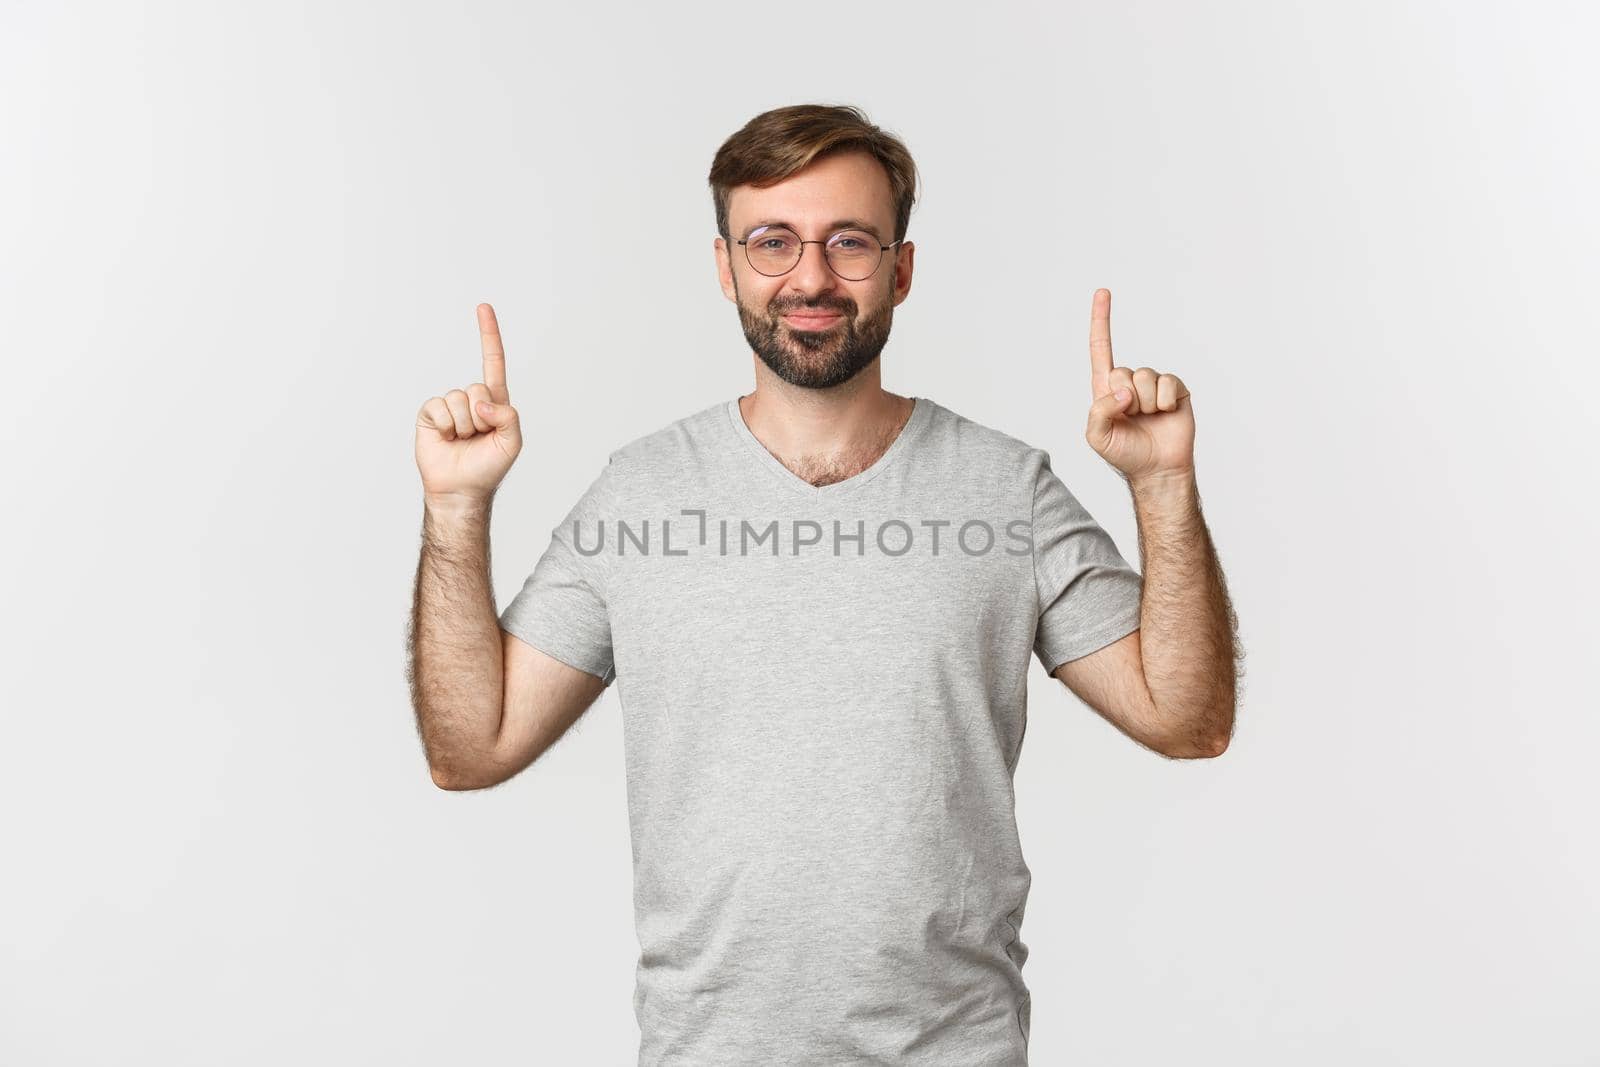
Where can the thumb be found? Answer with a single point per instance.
(497, 415)
(1102, 413)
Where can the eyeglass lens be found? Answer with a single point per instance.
(853, 254)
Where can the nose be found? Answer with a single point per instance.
(812, 274)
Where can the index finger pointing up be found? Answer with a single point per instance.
(1100, 344)
(494, 355)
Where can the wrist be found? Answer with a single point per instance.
(1164, 483)
(453, 505)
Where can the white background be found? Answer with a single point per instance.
(241, 245)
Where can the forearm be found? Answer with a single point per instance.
(457, 655)
(1188, 631)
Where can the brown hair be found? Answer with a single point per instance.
(777, 143)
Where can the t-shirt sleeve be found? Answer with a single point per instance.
(561, 607)
(1088, 593)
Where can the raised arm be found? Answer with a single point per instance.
(487, 705)
(1172, 683)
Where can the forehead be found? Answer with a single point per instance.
(851, 187)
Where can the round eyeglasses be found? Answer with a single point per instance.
(853, 255)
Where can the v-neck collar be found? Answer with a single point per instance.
(921, 411)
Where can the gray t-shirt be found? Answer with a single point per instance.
(824, 694)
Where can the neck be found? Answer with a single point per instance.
(825, 435)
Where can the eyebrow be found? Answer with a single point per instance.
(833, 227)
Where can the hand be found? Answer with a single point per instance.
(1150, 432)
(468, 438)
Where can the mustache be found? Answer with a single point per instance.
(840, 309)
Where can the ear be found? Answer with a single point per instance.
(725, 269)
(903, 263)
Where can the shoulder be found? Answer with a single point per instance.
(655, 456)
(970, 433)
(977, 447)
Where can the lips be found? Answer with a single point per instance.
(812, 320)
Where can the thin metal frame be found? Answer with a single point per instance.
(882, 248)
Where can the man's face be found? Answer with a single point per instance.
(817, 354)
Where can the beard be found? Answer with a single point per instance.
(816, 359)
